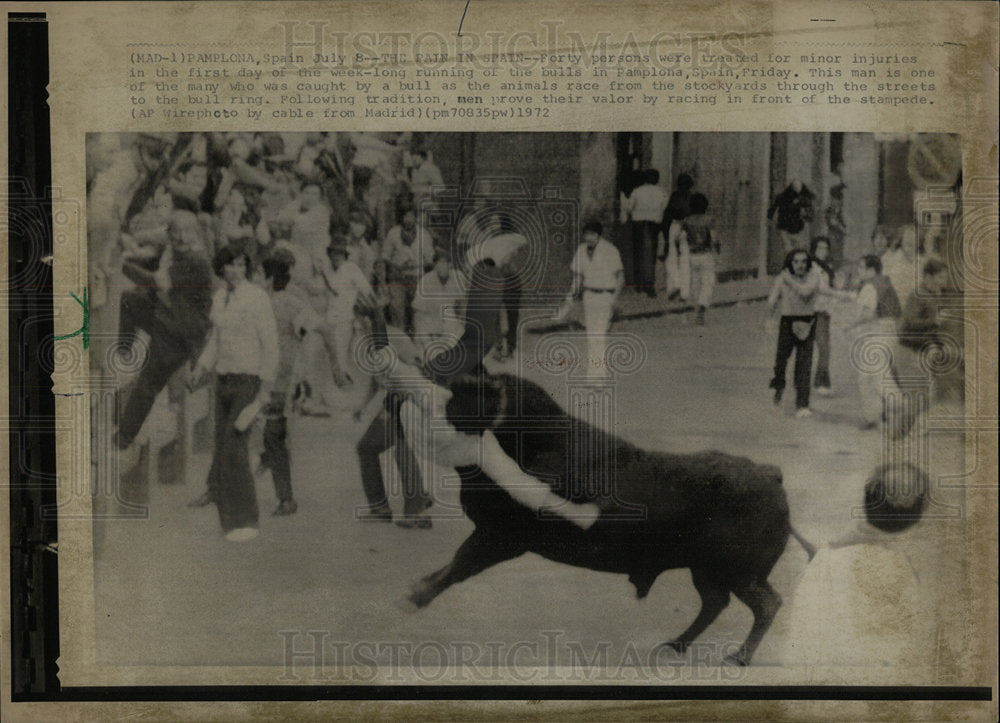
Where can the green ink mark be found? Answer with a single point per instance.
(84, 329)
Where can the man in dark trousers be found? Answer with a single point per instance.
(794, 207)
(486, 283)
(171, 304)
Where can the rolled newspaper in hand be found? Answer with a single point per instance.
(247, 416)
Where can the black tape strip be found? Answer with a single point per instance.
(34, 574)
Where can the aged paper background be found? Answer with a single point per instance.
(90, 47)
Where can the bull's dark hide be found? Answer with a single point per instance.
(724, 517)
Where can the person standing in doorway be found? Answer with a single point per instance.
(645, 207)
(794, 207)
(672, 251)
(598, 277)
(836, 227)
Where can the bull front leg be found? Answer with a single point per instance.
(480, 551)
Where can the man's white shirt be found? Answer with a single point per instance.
(599, 270)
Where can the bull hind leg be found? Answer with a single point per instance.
(480, 551)
(763, 601)
(714, 599)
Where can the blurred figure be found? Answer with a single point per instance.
(170, 304)
(672, 251)
(346, 283)
(408, 251)
(820, 253)
(335, 161)
(703, 247)
(645, 206)
(437, 305)
(877, 312)
(308, 216)
(237, 226)
(293, 316)
(309, 219)
(187, 186)
(513, 288)
(836, 228)
(794, 207)
(425, 176)
(899, 262)
(919, 332)
(359, 248)
(598, 277)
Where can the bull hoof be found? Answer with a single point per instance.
(736, 659)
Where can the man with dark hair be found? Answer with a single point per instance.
(408, 250)
(858, 603)
(878, 310)
(171, 305)
(794, 207)
(645, 207)
(242, 349)
(672, 251)
(358, 237)
(796, 329)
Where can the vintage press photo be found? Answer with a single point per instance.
(528, 407)
(511, 346)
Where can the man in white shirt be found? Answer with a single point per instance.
(346, 282)
(598, 277)
(645, 206)
(437, 306)
(308, 216)
(242, 350)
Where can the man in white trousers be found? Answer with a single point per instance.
(345, 283)
(598, 277)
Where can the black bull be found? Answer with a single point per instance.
(726, 518)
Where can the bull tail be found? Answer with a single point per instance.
(806, 545)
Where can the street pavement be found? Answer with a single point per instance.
(170, 590)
